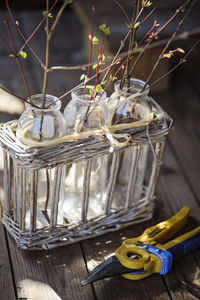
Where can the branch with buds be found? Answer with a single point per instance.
(123, 62)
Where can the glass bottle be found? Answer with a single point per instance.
(128, 105)
(85, 114)
(36, 127)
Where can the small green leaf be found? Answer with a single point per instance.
(44, 13)
(82, 76)
(98, 88)
(95, 40)
(23, 54)
(128, 25)
(94, 66)
(103, 82)
(11, 55)
(105, 29)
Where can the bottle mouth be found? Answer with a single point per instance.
(49, 100)
(136, 86)
(84, 94)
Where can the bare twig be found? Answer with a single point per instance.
(6, 44)
(170, 40)
(182, 36)
(81, 84)
(182, 60)
(158, 32)
(117, 54)
(91, 48)
(38, 26)
(123, 10)
(151, 12)
(6, 21)
(49, 36)
(22, 35)
(70, 68)
(132, 38)
(45, 79)
(19, 97)
(101, 54)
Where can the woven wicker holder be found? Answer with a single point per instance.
(18, 158)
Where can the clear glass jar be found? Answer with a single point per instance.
(38, 125)
(129, 105)
(84, 114)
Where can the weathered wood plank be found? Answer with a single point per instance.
(184, 107)
(7, 288)
(54, 274)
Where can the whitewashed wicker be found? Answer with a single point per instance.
(18, 158)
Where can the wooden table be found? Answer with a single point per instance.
(56, 274)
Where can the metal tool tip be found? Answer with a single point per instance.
(84, 282)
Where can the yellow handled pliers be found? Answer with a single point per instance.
(139, 257)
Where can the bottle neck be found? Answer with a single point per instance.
(50, 100)
(86, 95)
(136, 86)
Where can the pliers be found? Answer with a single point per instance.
(139, 257)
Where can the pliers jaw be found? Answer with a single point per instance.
(110, 267)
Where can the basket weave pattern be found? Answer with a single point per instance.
(19, 159)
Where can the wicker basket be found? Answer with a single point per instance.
(19, 160)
